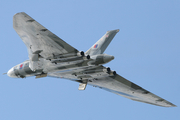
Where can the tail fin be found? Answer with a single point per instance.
(100, 46)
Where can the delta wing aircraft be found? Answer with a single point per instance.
(50, 56)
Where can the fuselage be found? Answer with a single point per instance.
(23, 70)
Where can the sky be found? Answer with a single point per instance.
(146, 52)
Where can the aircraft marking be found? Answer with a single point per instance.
(95, 46)
(20, 67)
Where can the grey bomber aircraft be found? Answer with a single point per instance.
(50, 56)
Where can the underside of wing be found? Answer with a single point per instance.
(39, 39)
(99, 76)
(120, 86)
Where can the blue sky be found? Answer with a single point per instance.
(146, 52)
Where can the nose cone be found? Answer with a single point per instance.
(11, 73)
(112, 57)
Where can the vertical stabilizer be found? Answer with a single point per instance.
(100, 46)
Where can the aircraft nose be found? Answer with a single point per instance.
(111, 57)
(11, 73)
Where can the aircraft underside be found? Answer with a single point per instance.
(51, 56)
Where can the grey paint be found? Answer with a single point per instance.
(50, 55)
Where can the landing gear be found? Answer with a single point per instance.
(82, 86)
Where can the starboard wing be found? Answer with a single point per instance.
(39, 39)
(123, 87)
(97, 77)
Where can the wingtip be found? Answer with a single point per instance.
(19, 13)
(174, 106)
(171, 105)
